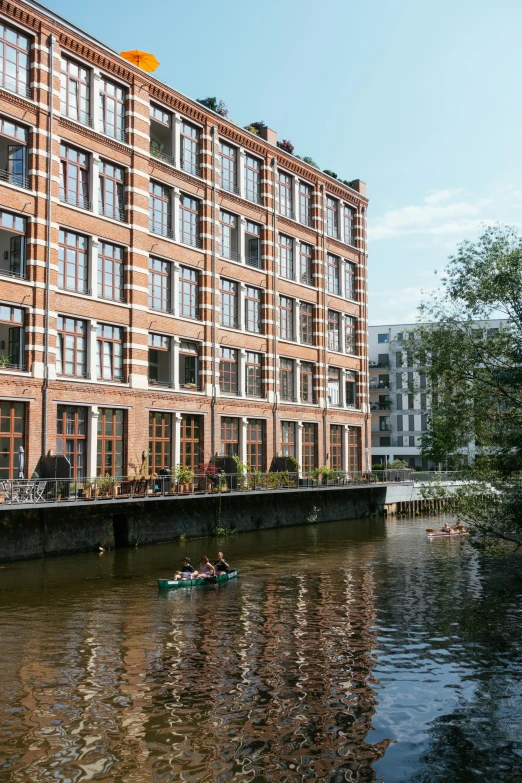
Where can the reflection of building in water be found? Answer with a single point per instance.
(275, 683)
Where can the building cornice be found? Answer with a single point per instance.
(104, 57)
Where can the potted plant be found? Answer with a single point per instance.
(286, 146)
(207, 472)
(183, 476)
(5, 362)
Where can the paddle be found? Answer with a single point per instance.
(430, 530)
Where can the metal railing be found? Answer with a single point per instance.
(108, 488)
(231, 187)
(9, 273)
(190, 168)
(252, 196)
(157, 153)
(116, 213)
(14, 179)
(7, 364)
(231, 255)
(161, 230)
(76, 289)
(158, 382)
(286, 212)
(12, 84)
(75, 201)
(189, 239)
(114, 133)
(254, 261)
(77, 115)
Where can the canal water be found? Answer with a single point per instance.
(354, 651)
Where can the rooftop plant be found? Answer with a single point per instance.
(256, 127)
(213, 104)
(286, 146)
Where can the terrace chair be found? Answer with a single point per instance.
(38, 491)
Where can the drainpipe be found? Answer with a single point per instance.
(367, 358)
(325, 327)
(45, 394)
(274, 286)
(214, 289)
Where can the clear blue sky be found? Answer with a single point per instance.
(420, 100)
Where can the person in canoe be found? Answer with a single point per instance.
(221, 565)
(445, 528)
(187, 570)
(206, 569)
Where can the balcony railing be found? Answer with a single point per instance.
(116, 213)
(76, 289)
(253, 196)
(160, 155)
(9, 273)
(306, 221)
(114, 133)
(161, 308)
(307, 278)
(7, 364)
(79, 374)
(14, 179)
(232, 323)
(11, 84)
(254, 261)
(190, 168)
(75, 200)
(231, 187)
(231, 255)
(195, 315)
(286, 212)
(76, 114)
(118, 296)
(126, 488)
(157, 382)
(161, 230)
(190, 239)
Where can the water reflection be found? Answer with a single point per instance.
(336, 640)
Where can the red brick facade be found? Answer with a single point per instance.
(152, 373)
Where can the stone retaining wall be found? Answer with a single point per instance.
(73, 527)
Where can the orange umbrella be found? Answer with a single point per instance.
(144, 60)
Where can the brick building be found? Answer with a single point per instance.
(170, 284)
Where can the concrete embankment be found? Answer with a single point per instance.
(62, 528)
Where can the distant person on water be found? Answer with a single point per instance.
(206, 569)
(187, 570)
(221, 565)
(445, 528)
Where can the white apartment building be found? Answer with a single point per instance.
(399, 417)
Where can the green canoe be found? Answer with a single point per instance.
(166, 584)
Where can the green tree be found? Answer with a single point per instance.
(474, 378)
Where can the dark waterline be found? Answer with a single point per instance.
(345, 651)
